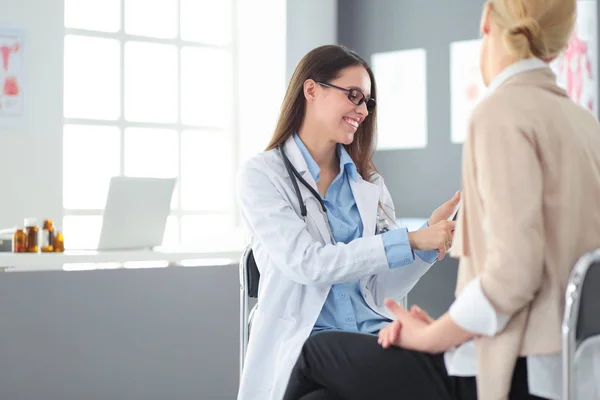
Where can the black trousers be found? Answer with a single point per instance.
(352, 366)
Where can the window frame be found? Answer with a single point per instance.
(121, 123)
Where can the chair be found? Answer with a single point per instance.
(581, 322)
(249, 278)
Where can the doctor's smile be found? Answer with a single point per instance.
(354, 122)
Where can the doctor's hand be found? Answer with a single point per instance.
(444, 211)
(408, 330)
(435, 237)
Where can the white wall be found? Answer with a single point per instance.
(31, 155)
(275, 36)
(262, 50)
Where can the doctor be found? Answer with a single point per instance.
(322, 222)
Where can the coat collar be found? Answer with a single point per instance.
(346, 162)
(366, 194)
(514, 69)
(531, 72)
(295, 155)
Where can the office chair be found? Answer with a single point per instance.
(249, 278)
(581, 322)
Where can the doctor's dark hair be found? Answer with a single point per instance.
(324, 64)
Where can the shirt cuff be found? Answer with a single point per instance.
(397, 248)
(473, 312)
(429, 256)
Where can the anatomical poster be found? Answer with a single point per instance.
(11, 76)
(576, 68)
(466, 85)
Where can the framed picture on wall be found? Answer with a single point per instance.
(576, 68)
(466, 85)
(401, 99)
(11, 76)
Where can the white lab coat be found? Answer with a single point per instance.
(298, 264)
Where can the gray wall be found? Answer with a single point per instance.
(120, 334)
(419, 180)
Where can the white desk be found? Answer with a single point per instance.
(90, 260)
(80, 260)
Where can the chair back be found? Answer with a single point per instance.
(581, 321)
(253, 275)
(249, 280)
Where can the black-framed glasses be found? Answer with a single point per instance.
(354, 95)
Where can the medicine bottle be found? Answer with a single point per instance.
(19, 241)
(59, 243)
(31, 231)
(47, 237)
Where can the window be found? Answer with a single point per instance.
(149, 89)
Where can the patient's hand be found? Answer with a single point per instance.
(416, 312)
(415, 330)
(409, 329)
(390, 335)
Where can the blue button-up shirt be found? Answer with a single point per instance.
(345, 308)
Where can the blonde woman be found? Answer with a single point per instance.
(531, 190)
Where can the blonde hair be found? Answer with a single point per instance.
(534, 28)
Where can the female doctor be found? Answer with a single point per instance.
(322, 222)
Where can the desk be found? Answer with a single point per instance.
(81, 260)
(78, 260)
(136, 334)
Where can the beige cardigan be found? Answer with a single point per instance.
(531, 208)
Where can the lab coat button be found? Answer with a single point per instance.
(407, 261)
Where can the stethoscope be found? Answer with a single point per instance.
(382, 223)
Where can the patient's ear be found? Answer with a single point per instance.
(484, 25)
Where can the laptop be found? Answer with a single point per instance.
(136, 213)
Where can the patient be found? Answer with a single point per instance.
(531, 184)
